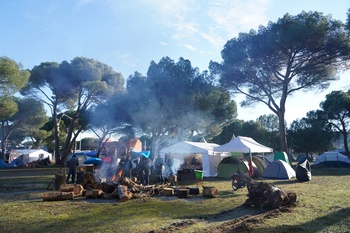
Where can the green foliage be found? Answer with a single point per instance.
(311, 134)
(176, 100)
(8, 107)
(301, 52)
(336, 109)
(12, 78)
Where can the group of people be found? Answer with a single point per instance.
(125, 167)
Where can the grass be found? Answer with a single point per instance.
(322, 206)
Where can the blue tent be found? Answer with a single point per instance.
(17, 162)
(3, 164)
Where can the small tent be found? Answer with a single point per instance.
(278, 169)
(303, 171)
(332, 159)
(232, 164)
(185, 150)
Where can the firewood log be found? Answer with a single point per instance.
(93, 193)
(209, 191)
(124, 194)
(58, 196)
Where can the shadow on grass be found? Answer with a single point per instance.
(317, 225)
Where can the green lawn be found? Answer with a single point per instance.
(322, 206)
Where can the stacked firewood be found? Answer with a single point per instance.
(125, 189)
(265, 195)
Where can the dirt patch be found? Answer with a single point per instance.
(230, 221)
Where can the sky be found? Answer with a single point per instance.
(128, 35)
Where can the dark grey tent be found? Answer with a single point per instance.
(303, 171)
(279, 169)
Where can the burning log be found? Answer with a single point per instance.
(58, 196)
(124, 194)
(263, 194)
(209, 191)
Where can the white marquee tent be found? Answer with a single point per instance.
(243, 145)
(210, 160)
(30, 155)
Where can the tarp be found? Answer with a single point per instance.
(279, 169)
(243, 145)
(183, 149)
(303, 171)
(332, 159)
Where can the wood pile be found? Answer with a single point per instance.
(265, 195)
(123, 190)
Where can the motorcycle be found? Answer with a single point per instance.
(240, 180)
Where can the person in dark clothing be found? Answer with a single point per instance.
(159, 166)
(72, 165)
(127, 167)
(145, 171)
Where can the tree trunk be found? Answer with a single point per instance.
(56, 123)
(282, 130)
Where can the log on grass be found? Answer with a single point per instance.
(124, 194)
(77, 189)
(210, 191)
(58, 196)
(93, 193)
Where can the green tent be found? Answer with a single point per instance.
(282, 156)
(231, 164)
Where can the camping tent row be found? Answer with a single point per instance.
(216, 159)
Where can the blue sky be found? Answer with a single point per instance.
(128, 35)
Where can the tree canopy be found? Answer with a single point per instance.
(176, 100)
(302, 52)
(336, 108)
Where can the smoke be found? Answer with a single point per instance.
(174, 168)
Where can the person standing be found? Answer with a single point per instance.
(159, 165)
(72, 165)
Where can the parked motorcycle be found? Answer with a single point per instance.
(240, 180)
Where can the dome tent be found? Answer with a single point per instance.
(231, 164)
(279, 169)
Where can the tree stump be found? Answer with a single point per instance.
(209, 191)
(263, 194)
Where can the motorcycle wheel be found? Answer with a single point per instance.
(235, 185)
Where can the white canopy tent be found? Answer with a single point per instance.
(30, 155)
(183, 149)
(243, 145)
